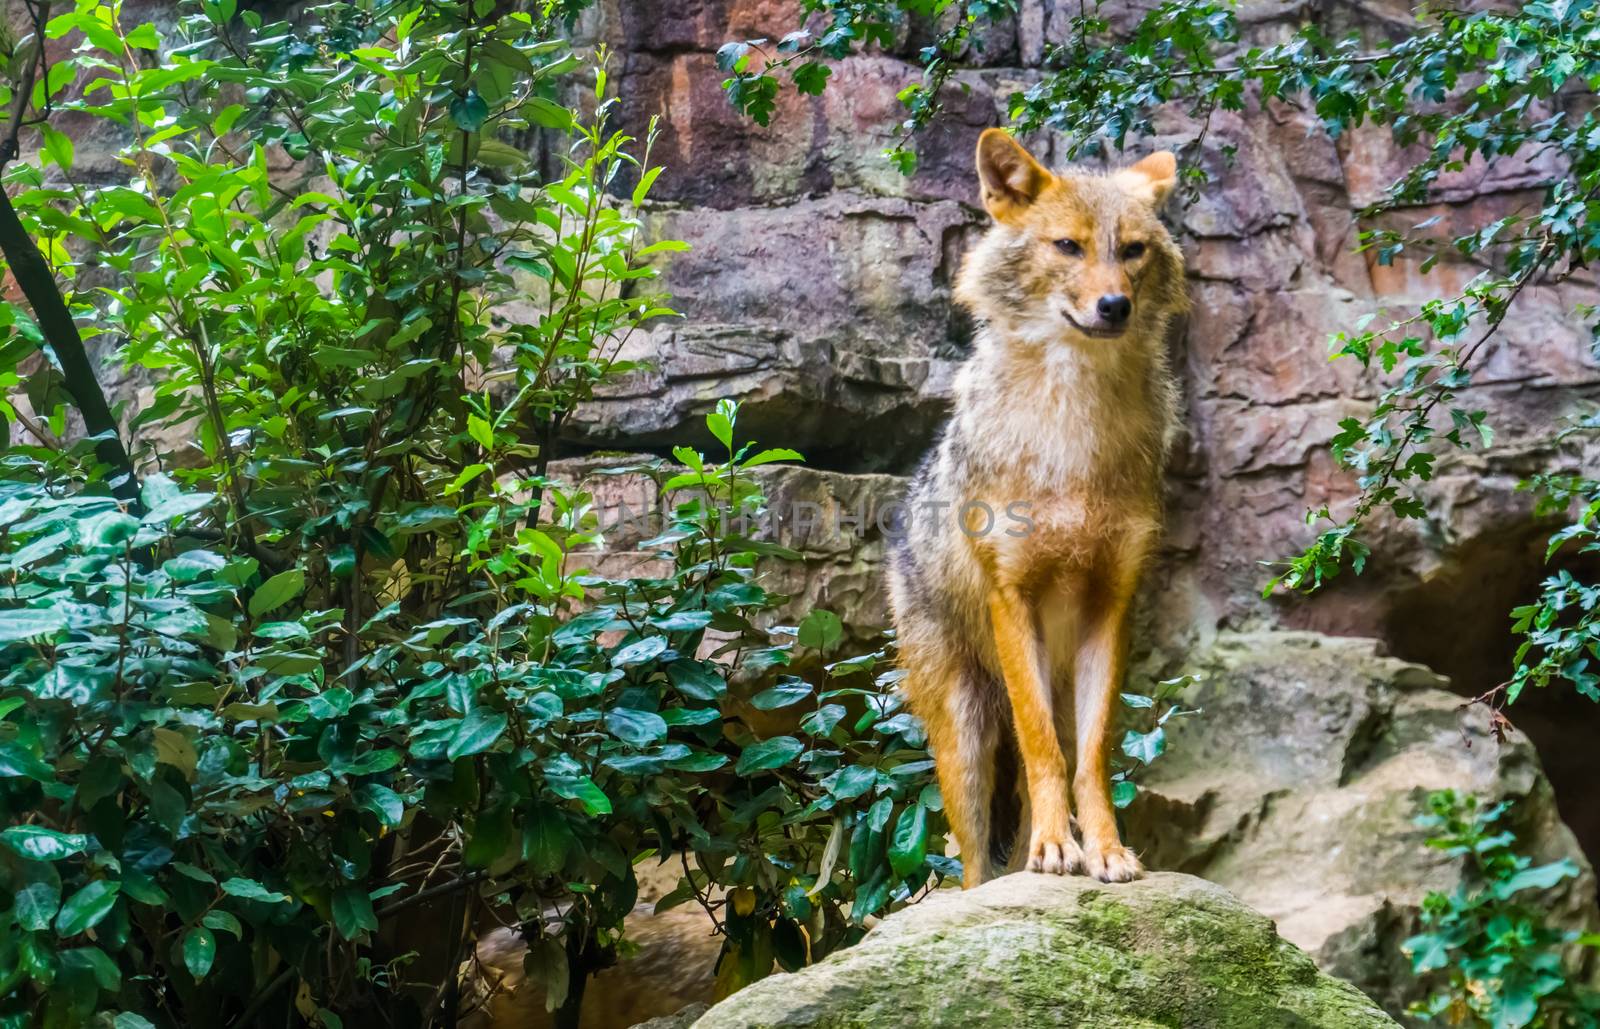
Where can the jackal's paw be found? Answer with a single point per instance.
(1114, 864)
(1055, 855)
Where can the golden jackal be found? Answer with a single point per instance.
(1013, 631)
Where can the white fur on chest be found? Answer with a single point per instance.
(1057, 415)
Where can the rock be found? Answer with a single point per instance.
(1295, 790)
(1038, 950)
(682, 1019)
(1297, 787)
(835, 521)
(669, 966)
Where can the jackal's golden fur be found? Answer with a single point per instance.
(1013, 629)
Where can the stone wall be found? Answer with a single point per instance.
(818, 293)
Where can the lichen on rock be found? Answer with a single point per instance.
(1039, 950)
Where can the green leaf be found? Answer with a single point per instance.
(566, 777)
(546, 838)
(820, 630)
(352, 912)
(277, 591)
(199, 951)
(790, 690)
(768, 754)
(105, 973)
(481, 431)
(57, 147)
(1122, 793)
(639, 651)
(144, 37)
(26, 623)
(477, 732)
(249, 889)
(909, 844)
(41, 844)
(771, 455)
(1145, 747)
(852, 781)
(698, 680)
(547, 114)
(36, 904)
(469, 111)
(811, 79)
(639, 728)
(821, 721)
(84, 909)
(1541, 877)
(222, 921)
(17, 762)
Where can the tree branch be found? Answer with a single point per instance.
(38, 284)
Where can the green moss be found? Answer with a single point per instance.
(1084, 955)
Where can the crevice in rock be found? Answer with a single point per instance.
(1456, 622)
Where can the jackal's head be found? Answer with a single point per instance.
(1080, 257)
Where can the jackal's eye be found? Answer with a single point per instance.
(1133, 251)
(1069, 247)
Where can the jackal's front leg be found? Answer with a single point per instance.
(1096, 680)
(1051, 847)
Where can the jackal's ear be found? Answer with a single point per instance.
(1151, 178)
(1010, 177)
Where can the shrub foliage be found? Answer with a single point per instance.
(248, 732)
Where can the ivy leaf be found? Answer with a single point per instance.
(546, 838)
(1145, 747)
(696, 680)
(822, 721)
(567, 778)
(852, 781)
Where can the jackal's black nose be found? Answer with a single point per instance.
(1114, 308)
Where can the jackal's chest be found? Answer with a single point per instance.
(1052, 535)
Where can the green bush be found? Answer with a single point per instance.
(1494, 960)
(367, 677)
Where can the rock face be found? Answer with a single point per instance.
(1295, 789)
(1038, 950)
(1297, 786)
(818, 292)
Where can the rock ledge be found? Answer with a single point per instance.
(1038, 950)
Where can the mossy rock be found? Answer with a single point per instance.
(1035, 950)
